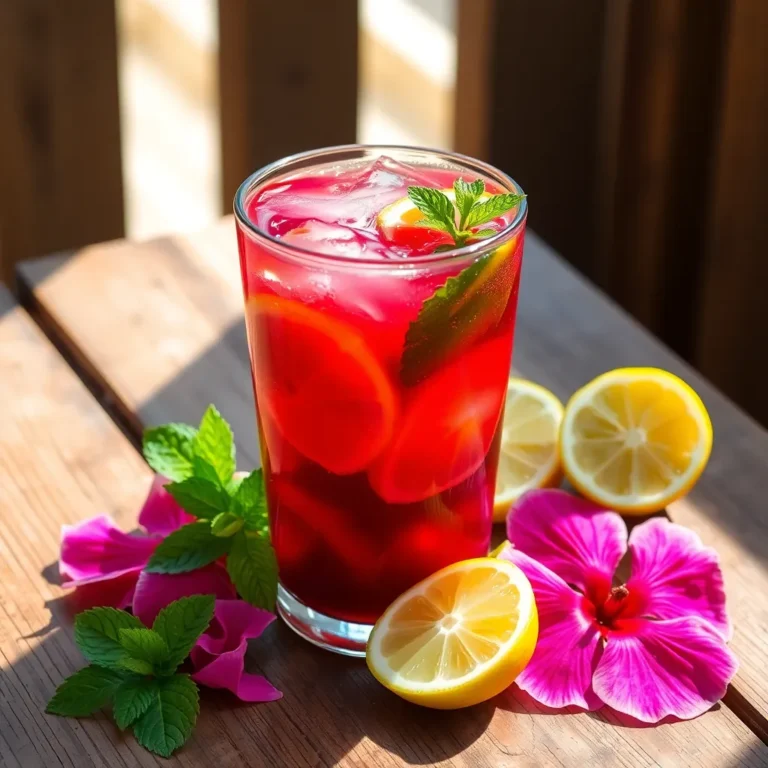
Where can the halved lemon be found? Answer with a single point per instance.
(457, 638)
(635, 439)
(529, 456)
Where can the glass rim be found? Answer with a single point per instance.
(326, 154)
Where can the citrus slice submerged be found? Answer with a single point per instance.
(446, 427)
(321, 383)
(529, 456)
(635, 439)
(457, 638)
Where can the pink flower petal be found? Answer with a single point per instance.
(568, 649)
(161, 514)
(117, 592)
(578, 540)
(97, 550)
(651, 669)
(674, 574)
(155, 590)
(219, 656)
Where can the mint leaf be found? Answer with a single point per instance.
(436, 207)
(138, 666)
(201, 498)
(145, 645)
(203, 469)
(190, 547)
(485, 233)
(490, 209)
(97, 634)
(226, 524)
(460, 312)
(132, 699)
(215, 444)
(170, 716)
(85, 692)
(252, 566)
(251, 502)
(467, 195)
(168, 450)
(181, 623)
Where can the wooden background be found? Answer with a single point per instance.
(638, 127)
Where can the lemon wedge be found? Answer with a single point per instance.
(635, 439)
(457, 638)
(529, 456)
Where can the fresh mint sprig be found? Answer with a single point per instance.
(459, 218)
(135, 668)
(231, 511)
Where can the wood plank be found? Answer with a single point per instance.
(192, 283)
(59, 127)
(288, 76)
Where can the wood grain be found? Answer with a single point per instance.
(287, 81)
(59, 127)
(567, 333)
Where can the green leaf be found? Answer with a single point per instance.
(460, 312)
(205, 470)
(133, 698)
(226, 524)
(85, 692)
(168, 450)
(467, 195)
(97, 634)
(144, 644)
(201, 498)
(485, 233)
(436, 207)
(190, 547)
(251, 502)
(252, 566)
(492, 208)
(215, 444)
(170, 716)
(139, 666)
(182, 622)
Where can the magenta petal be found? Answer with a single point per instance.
(674, 574)
(578, 540)
(219, 656)
(568, 649)
(651, 669)
(161, 514)
(96, 549)
(155, 590)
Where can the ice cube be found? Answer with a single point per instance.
(334, 240)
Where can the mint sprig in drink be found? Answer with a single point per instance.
(380, 294)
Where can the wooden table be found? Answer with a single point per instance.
(147, 333)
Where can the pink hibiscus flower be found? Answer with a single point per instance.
(96, 551)
(218, 658)
(651, 647)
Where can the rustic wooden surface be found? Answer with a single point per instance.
(157, 330)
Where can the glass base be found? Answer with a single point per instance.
(343, 637)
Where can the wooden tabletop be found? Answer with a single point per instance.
(155, 332)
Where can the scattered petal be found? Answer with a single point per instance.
(219, 655)
(97, 550)
(674, 574)
(568, 648)
(651, 669)
(578, 540)
(156, 590)
(117, 593)
(161, 514)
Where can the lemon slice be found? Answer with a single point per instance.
(457, 638)
(529, 456)
(403, 213)
(635, 439)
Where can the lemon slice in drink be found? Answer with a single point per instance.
(457, 638)
(529, 456)
(635, 439)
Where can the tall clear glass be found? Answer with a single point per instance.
(380, 385)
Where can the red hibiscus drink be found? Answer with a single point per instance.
(380, 338)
